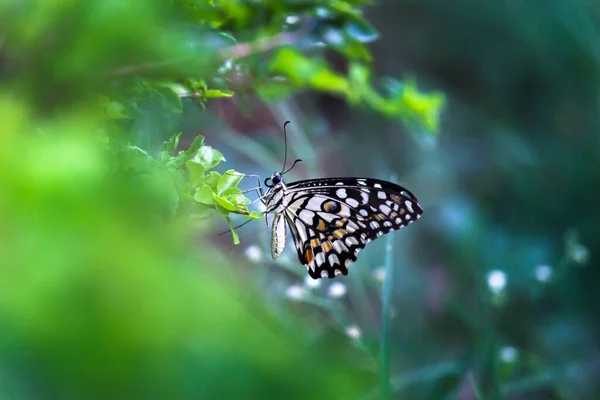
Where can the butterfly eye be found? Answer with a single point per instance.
(276, 179)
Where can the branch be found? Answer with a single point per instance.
(237, 51)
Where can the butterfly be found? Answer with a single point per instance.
(332, 219)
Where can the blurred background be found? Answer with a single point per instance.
(492, 294)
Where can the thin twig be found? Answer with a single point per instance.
(237, 51)
(189, 95)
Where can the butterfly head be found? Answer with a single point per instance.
(273, 180)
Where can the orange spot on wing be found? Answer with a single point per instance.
(326, 247)
(340, 233)
(314, 242)
(340, 222)
(322, 225)
(308, 255)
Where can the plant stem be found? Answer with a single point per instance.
(386, 296)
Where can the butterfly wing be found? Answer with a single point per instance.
(332, 219)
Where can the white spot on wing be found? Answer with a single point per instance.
(374, 225)
(365, 197)
(364, 213)
(328, 217)
(352, 202)
(387, 224)
(324, 274)
(339, 246)
(385, 209)
(351, 241)
(306, 216)
(407, 216)
(377, 185)
(362, 183)
(341, 193)
(351, 227)
(339, 183)
(333, 259)
(381, 195)
(320, 259)
(314, 203)
(409, 205)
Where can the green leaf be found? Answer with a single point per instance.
(226, 204)
(204, 195)
(229, 179)
(191, 152)
(203, 211)
(224, 212)
(171, 145)
(213, 180)
(214, 93)
(239, 199)
(170, 100)
(236, 239)
(303, 71)
(196, 174)
(255, 215)
(115, 110)
(208, 157)
(230, 192)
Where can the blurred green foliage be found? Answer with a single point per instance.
(124, 128)
(102, 293)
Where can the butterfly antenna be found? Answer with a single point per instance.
(293, 165)
(285, 144)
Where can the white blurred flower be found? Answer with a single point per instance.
(311, 283)
(295, 292)
(292, 19)
(333, 36)
(543, 273)
(353, 331)
(337, 290)
(379, 274)
(509, 354)
(496, 280)
(580, 254)
(254, 253)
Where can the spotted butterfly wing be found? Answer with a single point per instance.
(332, 219)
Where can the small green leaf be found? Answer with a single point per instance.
(190, 153)
(208, 157)
(239, 199)
(202, 211)
(236, 239)
(116, 110)
(255, 215)
(204, 195)
(228, 180)
(213, 179)
(196, 174)
(230, 192)
(170, 100)
(226, 204)
(196, 86)
(215, 93)
(221, 210)
(171, 145)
